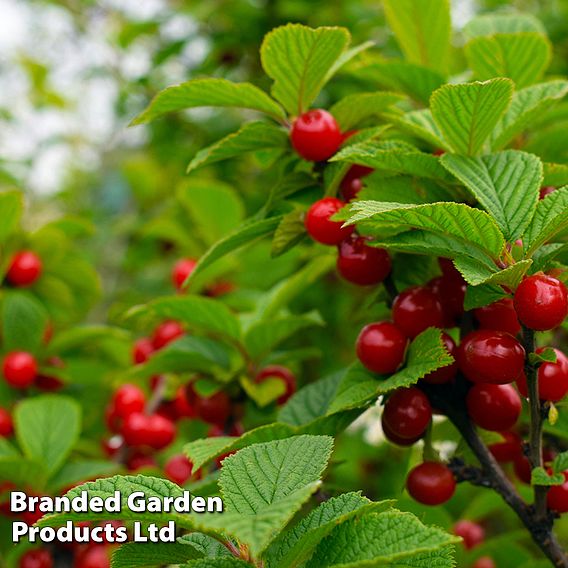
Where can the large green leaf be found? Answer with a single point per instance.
(468, 113)
(144, 555)
(353, 109)
(422, 29)
(23, 472)
(11, 207)
(47, 428)
(73, 472)
(299, 59)
(506, 184)
(420, 123)
(209, 93)
(521, 56)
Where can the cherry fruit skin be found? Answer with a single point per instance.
(38, 558)
(552, 379)
(448, 373)
(319, 224)
(166, 332)
(407, 413)
(546, 190)
(431, 483)
(472, 533)
(557, 496)
(142, 350)
(487, 356)
(181, 271)
(541, 302)
(282, 373)
(152, 431)
(315, 135)
(509, 449)
(6, 424)
(499, 316)
(97, 556)
(178, 469)
(182, 405)
(351, 184)
(484, 562)
(19, 369)
(494, 407)
(394, 438)
(214, 409)
(381, 347)
(129, 399)
(25, 268)
(416, 309)
(361, 264)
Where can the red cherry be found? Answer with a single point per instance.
(48, 384)
(541, 302)
(487, 356)
(6, 424)
(179, 470)
(557, 497)
(546, 190)
(319, 224)
(499, 316)
(166, 332)
(142, 350)
(552, 378)
(522, 466)
(471, 533)
(214, 409)
(167, 409)
(381, 347)
(494, 407)
(97, 556)
(393, 438)
(361, 264)
(181, 271)
(160, 430)
(279, 372)
(219, 289)
(407, 413)
(112, 446)
(25, 268)
(484, 562)
(129, 399)
(416, 309)
(184, 409)
(315, 135)
(431, 483)
(351, 184)
(448, 373)
(19, 369)
(509, 449)
(38, 558)
(140, 461)
(450, 291)
(135, 429)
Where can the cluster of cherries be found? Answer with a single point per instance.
(472, 535)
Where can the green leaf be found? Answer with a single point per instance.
(539, 476)
(23, 472)
(217, 563)
(468, 113)
(476, 273)
(86, 336)
(207, 545)
(47, 428)
(550, 218)
(24, 320)
(11, 205)
(404, 189)
(78, 471)
(209, 93)
(390, 538)
(504, 23)
(555, 175)
(420, 123)
(506, 184)
(197, 312)
(422, 29)
(263, 393)
(351, 110)
(295, 546)
(250, 138)
(482, 295)
(560, 463)
(144, 555)
(300, 60)
(521, 56)
(527, 106)
(289, 233)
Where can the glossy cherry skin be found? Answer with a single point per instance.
(179, 469)
(351, 184)
(417, 309)
(541, 302)
(97, 556)
(407, 413)
(393, 438)
(361, 264)
(494, 407)
(487, 356)
(19, 369)
(484, 562)
(557, 497)
(282, 373)
(166, 332)
(509, 449)
(152, 431)
(448, 373)
(184, 408)
(37, 558)
(129, 399)
(6, 424)
(215, 409)
(25, 269)
(471, 533)
(319, 224)
(139, 461)
(181, 271)
(431, 483)
(546, 190)
(451, 293)
(499, 316)
(381, 347)
(552, 379)
(315, 135)
(142, 350)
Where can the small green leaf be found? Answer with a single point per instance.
(289, 233)
(560, 463)
(476, 273)
(353, 109)
(539, 476)
(547, 355)
(482, 295)
(23, 472)
(265, 392)
(420, 123)
(11, 205)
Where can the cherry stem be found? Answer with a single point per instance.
(157, 395)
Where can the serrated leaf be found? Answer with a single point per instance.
(547, 355)
(420, 123)
(299, 59)
(560, 463)
(390, 538)
(520, 56)
(482, 295)
(209, 93)
(11, 205)
(145, 555)
(24, 320)
(353, 109)
(506, 184)
(476, 273)
(528, 105)
(250, 138)
(205, 544)
(290, 231)
(217, 563)
(467, 113)
(550, 218)
(422, 29)
(539, 476)
(47, 428)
